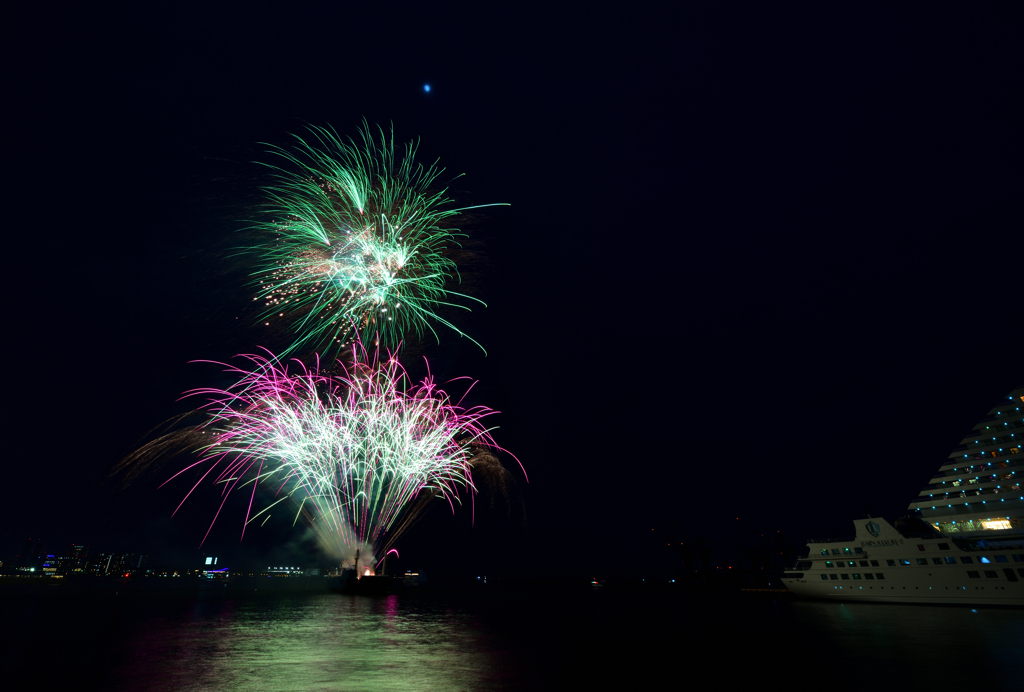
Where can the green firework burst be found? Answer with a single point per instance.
(357, 243)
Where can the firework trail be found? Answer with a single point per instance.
(358, 243)
(362, 453)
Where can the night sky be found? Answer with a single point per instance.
(758, 263)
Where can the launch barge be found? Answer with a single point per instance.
(349, 581)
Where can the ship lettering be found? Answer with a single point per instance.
(878, 544)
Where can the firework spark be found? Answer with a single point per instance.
(359, 243)
(362, 453)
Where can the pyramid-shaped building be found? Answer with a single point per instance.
(977, 493)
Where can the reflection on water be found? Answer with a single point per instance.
(309, 642)
(906, 643)
(538, 638)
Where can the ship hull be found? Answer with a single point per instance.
(882, 565)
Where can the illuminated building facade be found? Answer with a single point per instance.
(977, 493)
(74, 561)
(50, 564)
(284, 571)
(116, 564)
(211, 570)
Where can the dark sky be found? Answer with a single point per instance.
(757, 263)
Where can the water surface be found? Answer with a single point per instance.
(509, 638)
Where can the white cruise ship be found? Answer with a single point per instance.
(962, 543)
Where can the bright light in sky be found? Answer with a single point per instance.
(426, 87)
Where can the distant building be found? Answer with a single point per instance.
(74, 561)
(97, 564)
(30, 553)
(116, 564)
(282, 571)
(49, 566)
(211, 570)
(977, 493)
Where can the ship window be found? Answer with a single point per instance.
(828, 564)
(1000, 558)
(859, 551)
(943, 546)
(874, 563)
(966, 560)
(984, 560)
(856, 577)
(869, 576)
(922, 561)
(852, 563)
(904, 562)
(936, 560)
(973, 575)
(879, 575)
(846, 576)
(824, 551)
(846, 551)
(920, 547)
(840, 563)
(833, 576)
(891, 563)
(824, 576)
(835, 551)
(950, 560)
(1009, 574)
(1020, 571)
(863, 563)
(1018, 557)
(991, 574)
